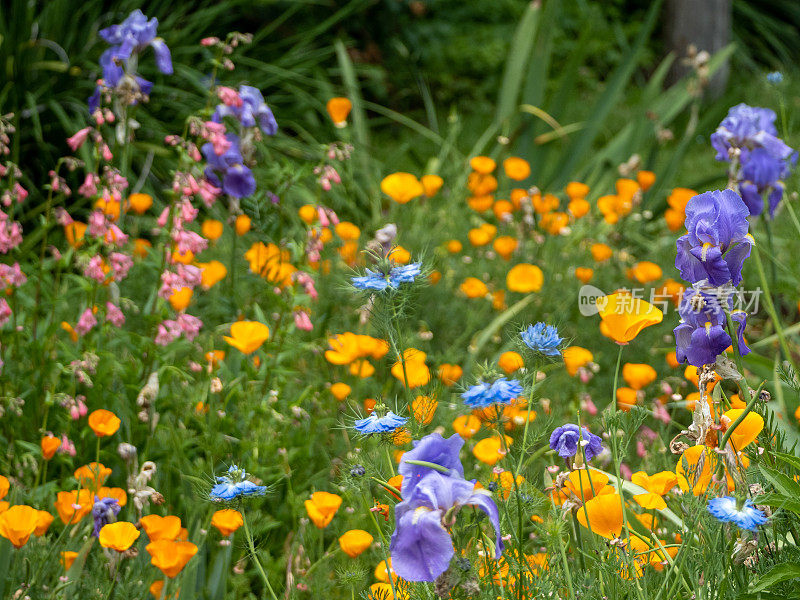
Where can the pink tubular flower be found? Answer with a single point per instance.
(115, 236)
(66, 447)
(86, 322)
(307, 282)
(97, 224)
(120, 264)
(89, 186)
(209, 41)
(20, 192)
(168, 331)
(208, 193)
(302, 320)
(5, 312)
(94, 270)
(190, 326)
(10, 233)
(229, 96)
(163, 217)
(114, 315)
(77, 140)
(12, 275)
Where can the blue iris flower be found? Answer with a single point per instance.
(483, 394)
(128, 38)
(542, 338)
(727, 510)
(378, 424)
(226, 170)
(253, 111)
(565, 440)
(235, 485)
(375, 280)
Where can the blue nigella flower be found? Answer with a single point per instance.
(377, 424)
(130, 37)
(501, 391)
(104, 511)
(375, 280)
(565, 440)
(727, 510)
(234, 485)
(775, 78)
(542, 338)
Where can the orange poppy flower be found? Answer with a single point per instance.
(211, 273)
(449, 374)
(505, 246)
(490, 450)
(43, 522)
(506, 481)
(576, 357)
(472, 287)
(576, 189)
(399, 255)
(66, 503)
(362, 368)
(584, 274)
(322, 507)
(525, 278)
(578, 207)
(170, 556)
(161, 528)
(554, 222)
(354, 542)
(104, 422)
(247, 336)
(626, 397)
(402, 187)
(141, 247)
(140, 203)
(308, 213)
(212, 229)
(626, 316)
(466, 426)
(18, 523)
(605, 515)
(545, 203)
(516, 168)
(585, 485)
(50, 444)
(227, 521)
(92, 475)
(657, 485)
(416, 372)
(645, 179)
(747, 431)
(601, 252)
(482, 164)
(67, 558)
(340, 390)
(118, 536)
(646, 272)
(481, 236)
(75, 232)
(338, 109)
(638, 376)
(510, 361)
(423, 408)
(5, 485)
(431, 184)
(383, 571)
(180, 298)
(117, 493)
(480, 203)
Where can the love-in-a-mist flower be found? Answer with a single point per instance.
(542, 338)
(235, 485)
(376, 280)
(728, 510)
(379, 422)
(500, 391)
(566, 440)
(717, 242)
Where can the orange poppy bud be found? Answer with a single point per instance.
(338, 110)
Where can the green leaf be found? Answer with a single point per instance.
(783, 483)
(778, 574)
(518, 56)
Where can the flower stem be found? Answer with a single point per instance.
(249, 536)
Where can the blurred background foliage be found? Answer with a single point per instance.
(425, 60)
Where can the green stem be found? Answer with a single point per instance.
(249, 536)
(773, 315)
(616, 380)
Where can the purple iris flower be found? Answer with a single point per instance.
(748, 127)
(227, 169)
(762, 173)
(565, 440)
(701, 335)
(717, 242)
(501, 391)
(421, 545)
(253, 111)
(104, 511)
(130, 37)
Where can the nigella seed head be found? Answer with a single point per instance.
(492, 487)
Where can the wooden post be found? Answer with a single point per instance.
(707, 25)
